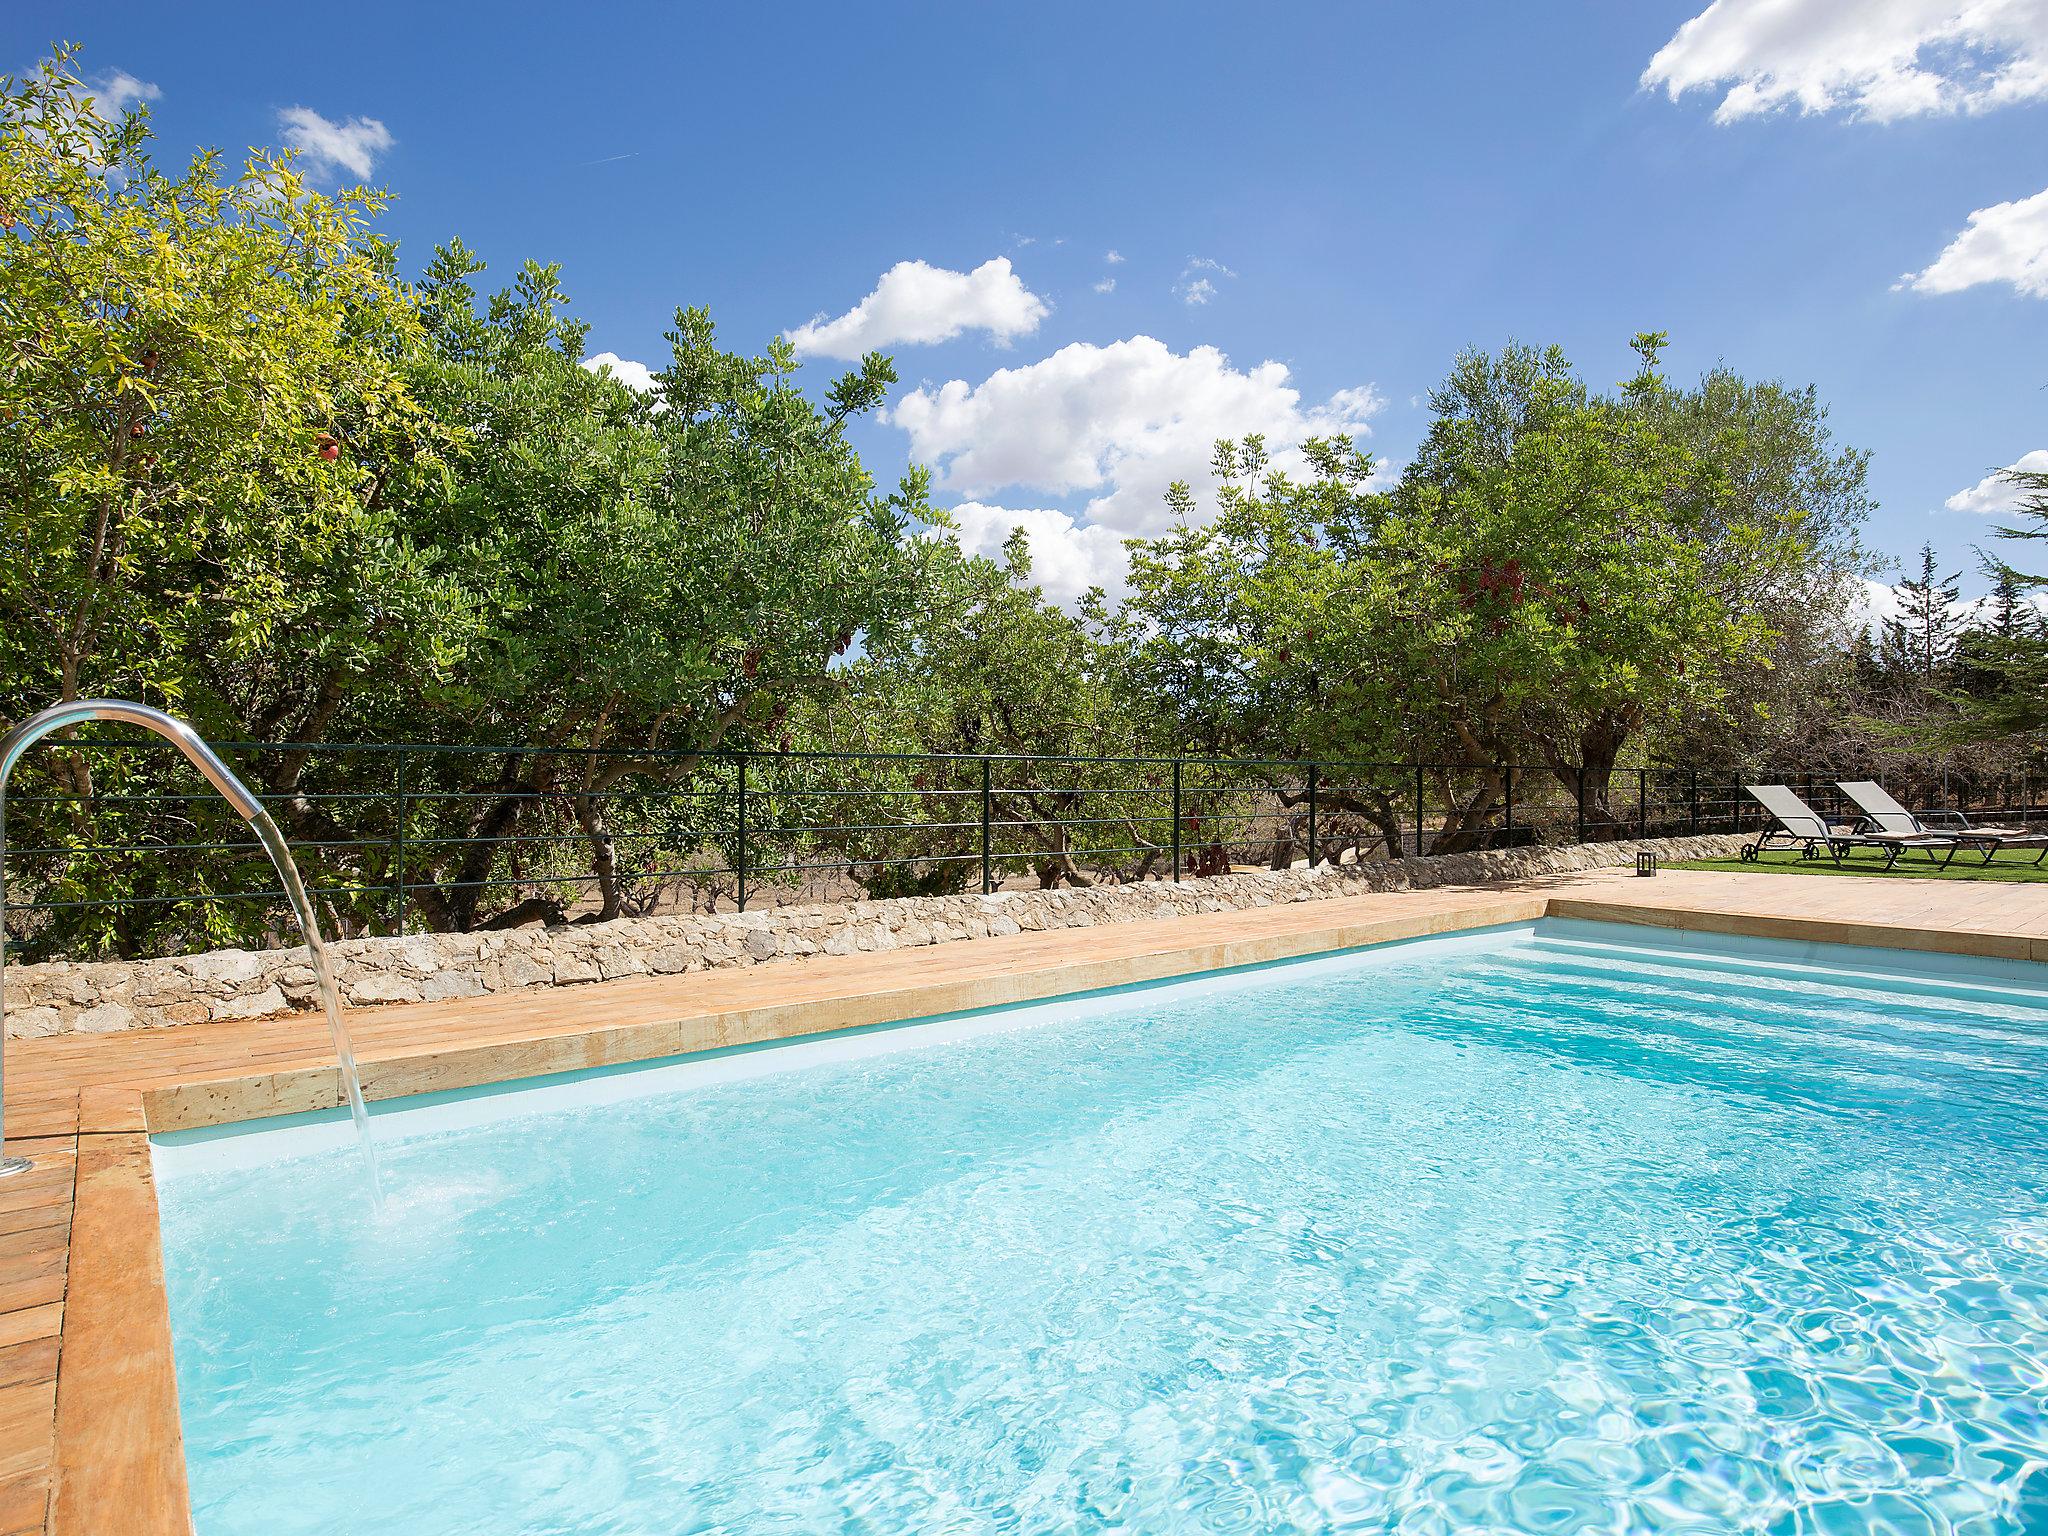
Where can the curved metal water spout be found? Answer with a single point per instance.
(237, 794)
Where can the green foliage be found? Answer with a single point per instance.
(254, 475)
(633, 575)
(984, 665)
(1553, 574)
(2004, 662)
(177, 345)
(1919, 641)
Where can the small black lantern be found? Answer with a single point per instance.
(1646, 863)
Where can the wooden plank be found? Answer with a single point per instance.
(26, 1420)
(36, 1216)
(120, 1461)
(25, 1323)
(25, 1503)
(29, 1361)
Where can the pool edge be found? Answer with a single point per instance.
(118, 1440)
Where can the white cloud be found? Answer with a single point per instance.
(1107, 285)
(115, 93)
(1121, 421)
(1871, 603)
(327, 147)
(1067, 557)
(1876, 59)
(918, 303)
(1194, 289)
(2005, 243)
(635, 376)
(1996, 495)
(1113, 258)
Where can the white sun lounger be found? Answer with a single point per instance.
(1885, 817)
(1798, 825)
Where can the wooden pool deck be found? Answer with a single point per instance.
(88, 1404)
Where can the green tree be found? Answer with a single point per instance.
(1919, 641)
(659, 574)
(1552, 575)
(2009, 659)
(1269, 632)
(179, 349)
(985, 665)
(1770, 461)
(177, 345)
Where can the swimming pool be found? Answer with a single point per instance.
(1554, 1228)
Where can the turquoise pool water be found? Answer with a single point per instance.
(1530, 1231)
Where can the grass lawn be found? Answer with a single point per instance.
(1911, 866)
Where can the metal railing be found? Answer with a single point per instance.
(405, 836)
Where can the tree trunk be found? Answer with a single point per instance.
(1465, 822)
(1590, 780)
(604, 857)
(534, 909)
(450, 904)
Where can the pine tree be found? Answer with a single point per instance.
(1985, 647)
(1920, 642)
(2012, 615)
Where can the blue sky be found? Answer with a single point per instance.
(1334, 199)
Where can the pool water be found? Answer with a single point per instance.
(1530, 1231)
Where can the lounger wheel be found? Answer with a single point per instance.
(1748, 854)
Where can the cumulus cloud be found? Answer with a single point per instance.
(635, 376)
(916, 303)
(1067, 556)
(115, 93)
(2005, 243)
(1120, 422)
(1997, 494)
(1876, 59)
(1872, 604)
(1112, 258)
(328, 147)
(1107, 285)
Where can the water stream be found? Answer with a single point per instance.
(330, 993)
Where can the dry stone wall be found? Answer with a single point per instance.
(97, 997)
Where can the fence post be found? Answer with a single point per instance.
(1176, 819)
(741, 861)
(398, 855)
(1579, 805)
(1509, 796)
(1418, 810)
(986, 887)
(1692, 800)
(1642, 800)
(1313, 845)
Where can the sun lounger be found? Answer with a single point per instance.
(1884, 816)
(1795, 824)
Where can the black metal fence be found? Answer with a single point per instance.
(116, 848)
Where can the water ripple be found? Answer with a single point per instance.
(1548, 1240)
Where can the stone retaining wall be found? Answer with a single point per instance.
(63, 997)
